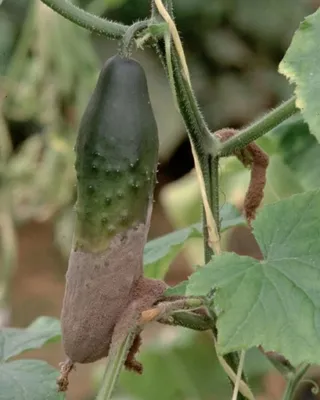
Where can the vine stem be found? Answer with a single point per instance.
(257, 129)
(113, 369)
(239, 373)
(206, 166)
(164, 311)
(294, 381)
(213, 233)
(242, 385)
(112, 30)
(130, 35)
(198, 131)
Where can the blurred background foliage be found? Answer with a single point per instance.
(48, 69)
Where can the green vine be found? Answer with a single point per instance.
(257, 129)
(113, 369)
(110, 29)
(130, 36)
(294, 381)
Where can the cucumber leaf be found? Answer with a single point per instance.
(28, 380)
(14, 341)
(159, 253)
(275, 302)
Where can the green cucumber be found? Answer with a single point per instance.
(116, 162)
(116, 155)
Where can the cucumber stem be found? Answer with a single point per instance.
(130, 36)
(257, 129)
(200, 138)
(110, 29)
(294, 381)
(114, 365)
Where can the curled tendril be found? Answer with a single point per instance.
(315, 387)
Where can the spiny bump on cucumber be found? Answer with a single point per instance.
(120, 194)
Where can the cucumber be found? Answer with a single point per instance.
(116, 155)
(116, 162)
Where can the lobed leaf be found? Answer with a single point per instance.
(276, 302)
(28, 380)
(14, 341)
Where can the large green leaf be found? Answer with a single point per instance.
(160, 252)
(276, 302)
(301, 66)
(14, 341)
(28, 380)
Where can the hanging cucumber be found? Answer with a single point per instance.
(117, 154)
(116, 161)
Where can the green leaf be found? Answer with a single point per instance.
(300, 151)
(178, 290)
(160, 252)
(14, 341)
(28, 380)
(276, 302)
(282, 181)
(301, 66)
(230, 217)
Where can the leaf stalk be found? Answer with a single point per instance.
(256, 130)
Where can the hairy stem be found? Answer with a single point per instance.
(293, 382)
(213, 197)
(255, 130)
(199, 135)
(114, 365)
(176, 66)
(188, 319)
(112, 30)
(184, 97)
(207, 164)
(130, 35)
